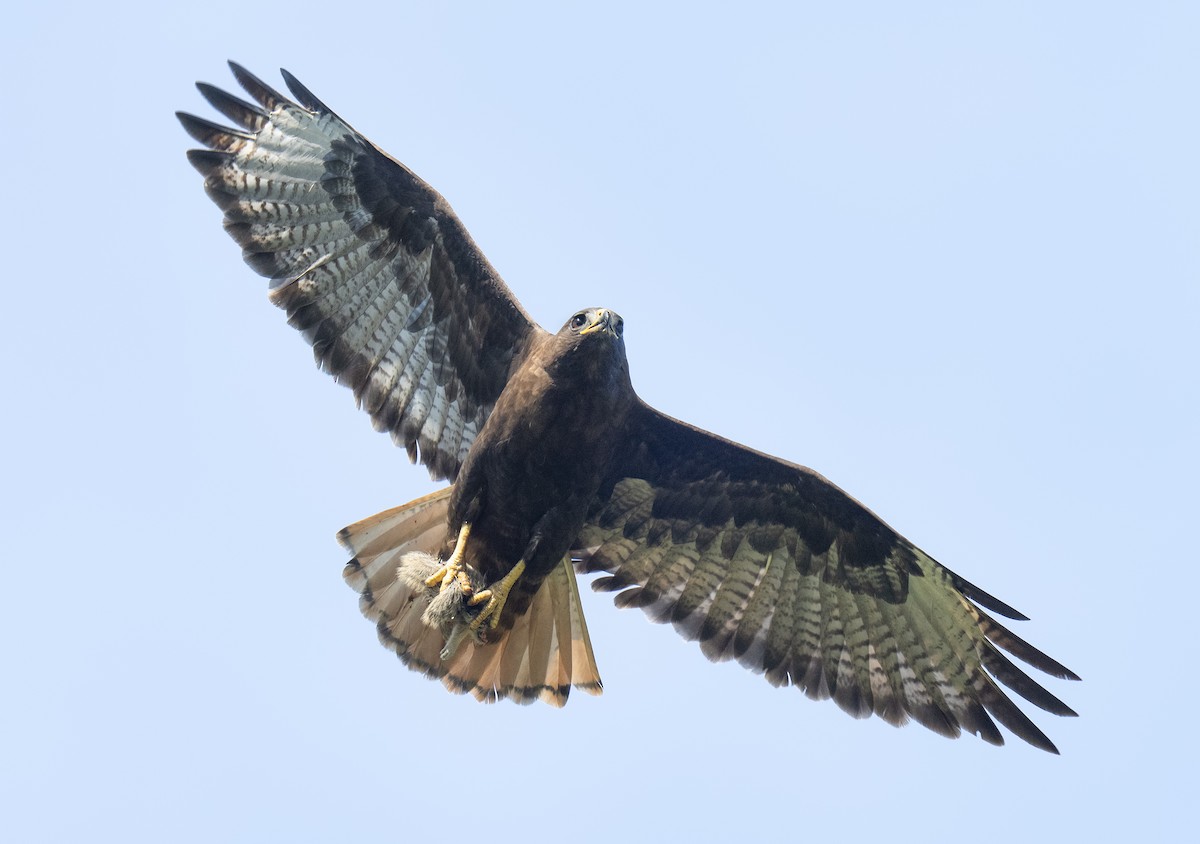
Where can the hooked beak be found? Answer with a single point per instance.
(604, 321)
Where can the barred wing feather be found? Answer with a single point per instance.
(369, 262)
(768, 563)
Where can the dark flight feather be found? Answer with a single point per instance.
(553, 458)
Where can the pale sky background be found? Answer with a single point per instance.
(946, 256)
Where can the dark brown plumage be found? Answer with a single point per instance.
(535, 468)
(554, 459)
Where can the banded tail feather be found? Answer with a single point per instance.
(545, 654)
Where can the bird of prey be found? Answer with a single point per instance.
(556, 464)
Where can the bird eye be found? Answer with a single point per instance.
(619, 327)
(579, 320)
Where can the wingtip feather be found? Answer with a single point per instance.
(267, 97)
(247, 115)
(303, 96)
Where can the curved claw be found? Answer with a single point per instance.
(452, 569)
(496, 596)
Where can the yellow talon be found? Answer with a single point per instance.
(452, 569)
(496, 596)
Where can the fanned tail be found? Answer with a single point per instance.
(546, 652)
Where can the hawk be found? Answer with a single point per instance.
(556, 465)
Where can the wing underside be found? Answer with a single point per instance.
(369, 262)
(769, 564)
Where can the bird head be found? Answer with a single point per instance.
(592, 342)
(591, 321)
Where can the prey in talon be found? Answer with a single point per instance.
(458, 602)
(452, 606)
(554, 460)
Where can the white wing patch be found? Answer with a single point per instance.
(361, 288)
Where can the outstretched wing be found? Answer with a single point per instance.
(370, 263)
(768, 563)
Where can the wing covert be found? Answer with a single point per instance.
(369, 262)
(770, 564)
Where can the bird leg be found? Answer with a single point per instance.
(496, 596)
(449, 611)
(452, 570)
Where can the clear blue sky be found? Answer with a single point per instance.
(945, 256)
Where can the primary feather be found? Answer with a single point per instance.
(553, 458)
